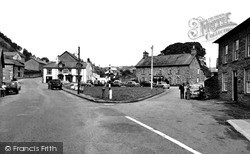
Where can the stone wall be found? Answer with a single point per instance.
(8, 72)
(231, 66)
(175, 74)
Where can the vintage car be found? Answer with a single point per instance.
(163, 85)
(55, 83)
(197, 91)
(12, 86)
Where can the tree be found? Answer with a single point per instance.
(26, 54)
(13, 45)
(45, 59)
(180, 48)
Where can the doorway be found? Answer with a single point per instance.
(235, 86)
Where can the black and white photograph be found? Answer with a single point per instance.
(124, 77)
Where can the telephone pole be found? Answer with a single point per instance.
(78, 71)
(152, 67)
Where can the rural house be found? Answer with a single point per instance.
(34, 67)
(234, 64)
(14, 65)
(65, 69)
(176, 68)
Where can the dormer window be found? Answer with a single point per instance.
(60, 65)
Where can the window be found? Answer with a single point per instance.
(236, 50)
(248, 45)
(198, 71)
(247, 75)
(226, 54)
(224, 82)
(49, 71)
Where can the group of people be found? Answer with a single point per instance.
(182, 90)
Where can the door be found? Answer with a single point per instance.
(235, 91)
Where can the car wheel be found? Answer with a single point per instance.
(17, 91)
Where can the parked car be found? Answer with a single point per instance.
(147, 84)
(197, 91)
(132, 84)
(99, 83)
(55, 83)
(162, 85)
(116, 83)
(12, 86)
(74, 86)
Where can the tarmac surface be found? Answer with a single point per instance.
(240, 125)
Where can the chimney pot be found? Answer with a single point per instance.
(145, 54)
(193, 51)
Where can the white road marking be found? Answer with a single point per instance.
(164, 135)
(108, 104)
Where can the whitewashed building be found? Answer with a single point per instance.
(65, 69)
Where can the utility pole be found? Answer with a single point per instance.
(152, 67)
(78, 71)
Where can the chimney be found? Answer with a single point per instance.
(193, 51)
(57, 59)
(145, 54)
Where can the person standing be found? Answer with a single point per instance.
(181, 87)
(188, 91)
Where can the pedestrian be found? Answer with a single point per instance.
(181, 87)
(201, 92)
(188, 92)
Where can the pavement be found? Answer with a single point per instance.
(240, 125)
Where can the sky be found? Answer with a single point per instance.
(110, 32)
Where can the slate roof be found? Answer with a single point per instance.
(167, 60)
(234, 31)
(11, 54)
(72, 55)
(39, 61)
(12, 62)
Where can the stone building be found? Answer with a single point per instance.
(234, 64)
(176, 68)
(1, 66)
(14, 65)
(34, 67)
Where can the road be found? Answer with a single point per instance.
(163, 124)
